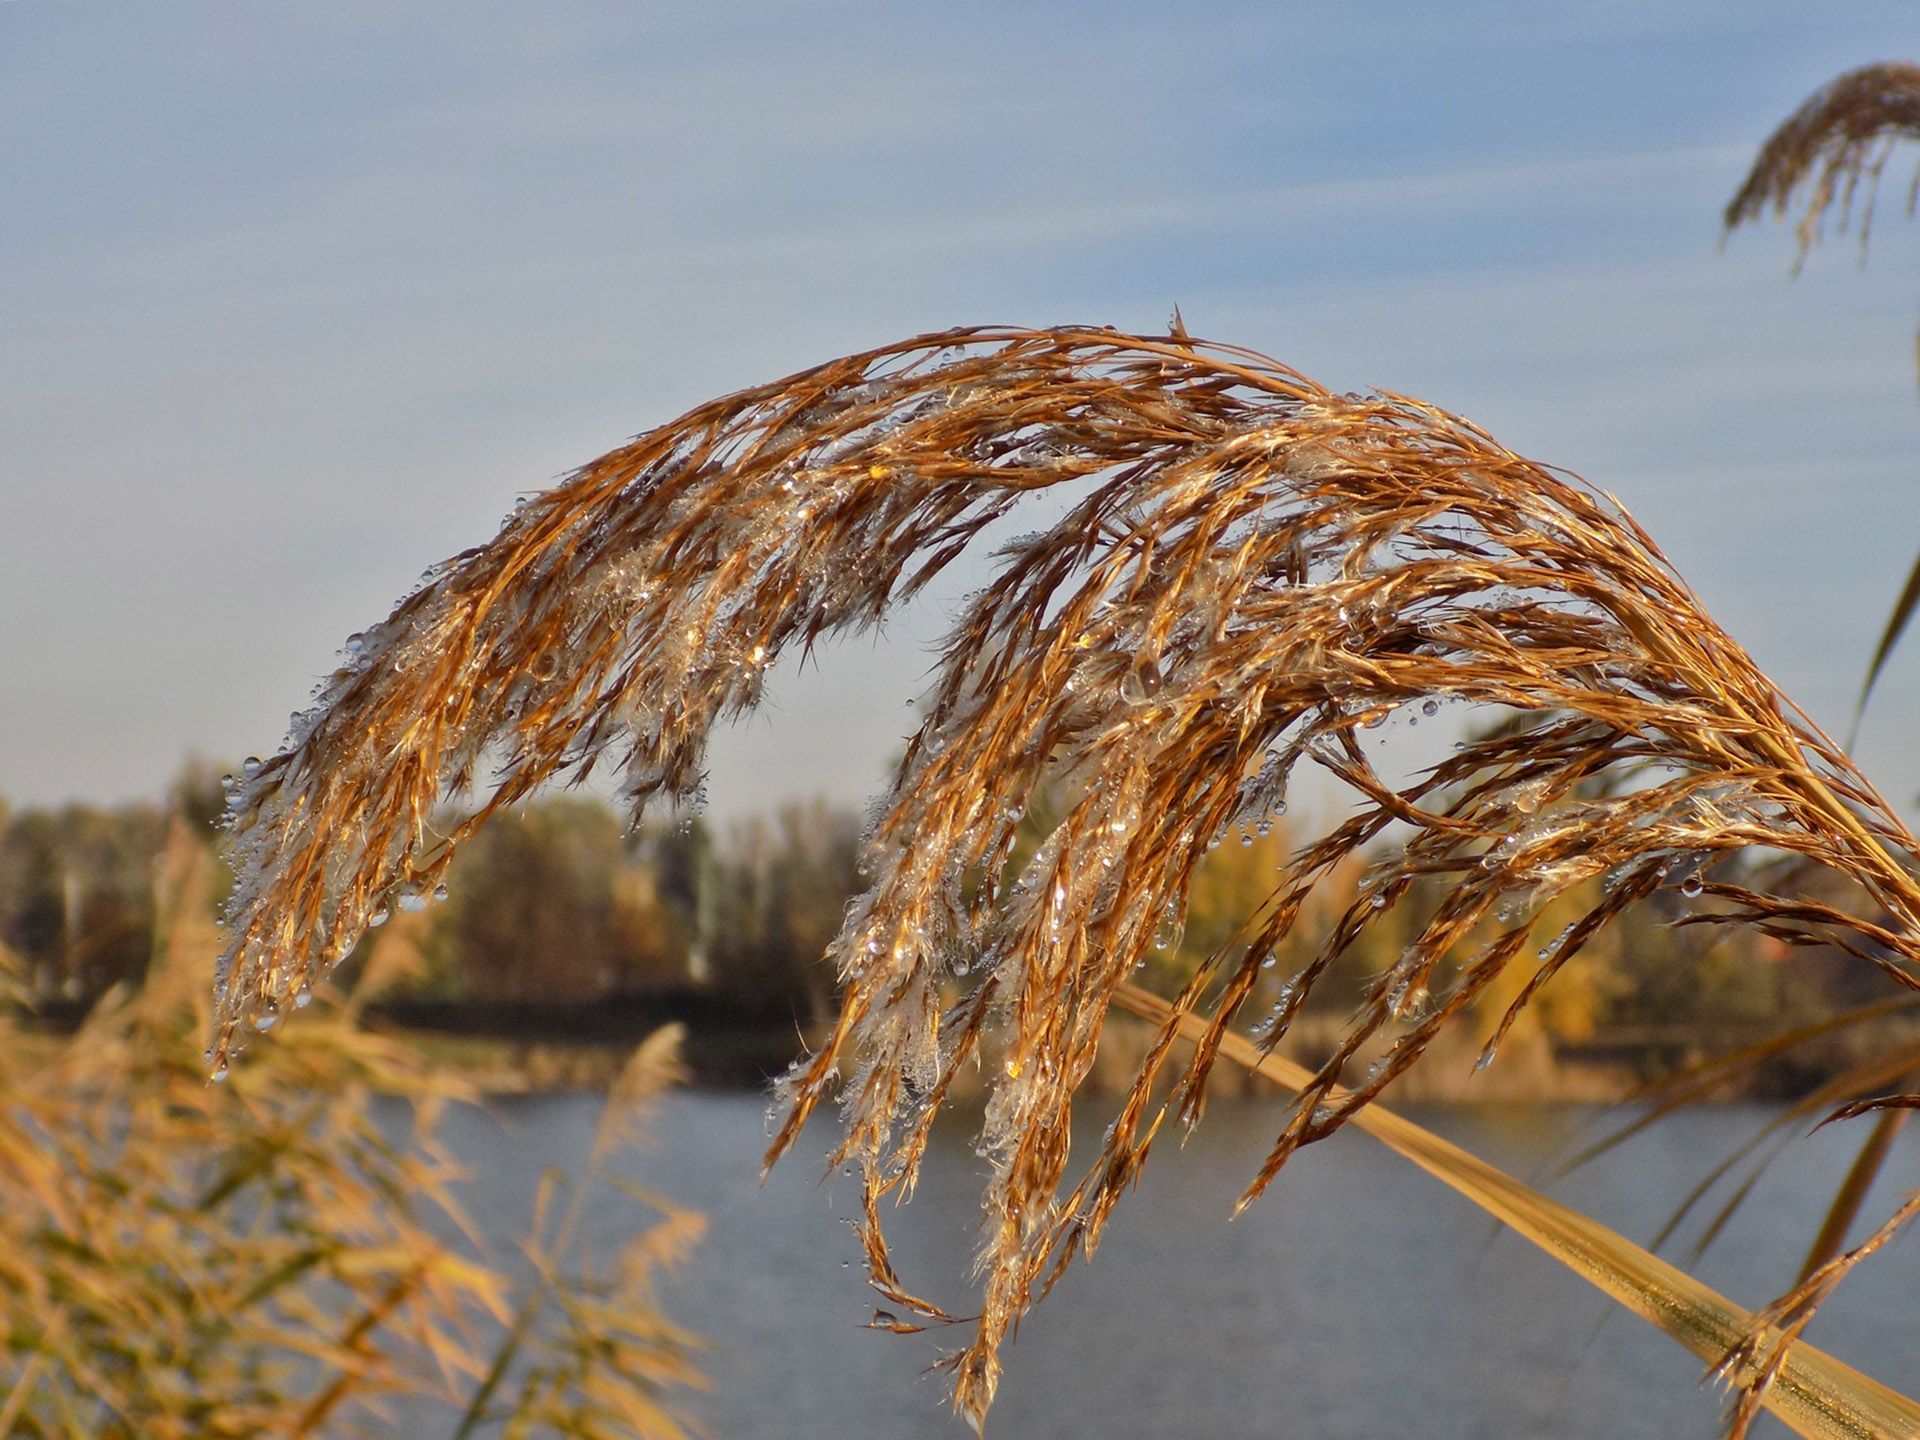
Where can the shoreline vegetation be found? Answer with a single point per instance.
(563, 942)
(729, 1054)
(746, 1058)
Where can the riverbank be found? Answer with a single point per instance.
(746, 1057)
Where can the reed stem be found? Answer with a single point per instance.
(1815, 1394)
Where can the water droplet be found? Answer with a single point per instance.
(1379, 901)
(1691, 887)
(378, 918)
(1133, 689)
(1245, 839)
(412, 900)
(303, 997)
(1375, 719)
(267, 1018)
(250, 767)
(1486, 1059)
(219, 1072)
(1430, 707)
(1269, 962)
(961, 967)
(440, 892)
(884, 1320)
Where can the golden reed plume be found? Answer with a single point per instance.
(1253, 572)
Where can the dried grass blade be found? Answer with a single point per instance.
(1896, 626)
(1696, 1081)
(1852, 1193)
(475, 1415)
(1814, 1394)
(22, 1391)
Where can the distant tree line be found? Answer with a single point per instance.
(558, 905)
(555, 904)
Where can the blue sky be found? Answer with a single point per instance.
(297, 297)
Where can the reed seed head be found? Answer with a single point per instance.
(1253, 572)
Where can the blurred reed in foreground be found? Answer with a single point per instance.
(274, 1257)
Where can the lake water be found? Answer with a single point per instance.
(1358, 1299)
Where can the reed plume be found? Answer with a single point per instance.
(1254, 572)
(1838, 141)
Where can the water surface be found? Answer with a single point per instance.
(1358, 1299)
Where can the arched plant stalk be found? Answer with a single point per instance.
(1252, 573)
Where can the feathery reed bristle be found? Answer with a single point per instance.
(1255, 571)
